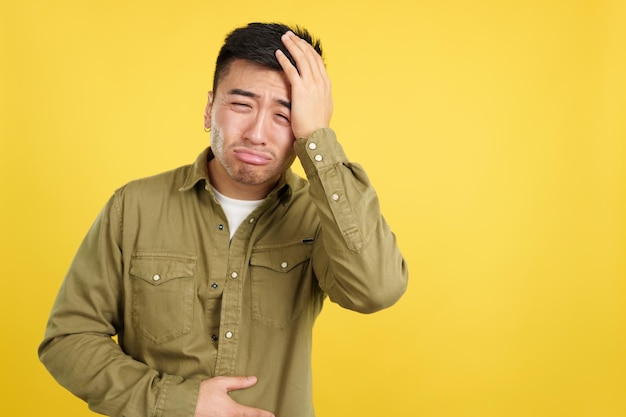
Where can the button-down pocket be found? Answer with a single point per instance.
(280, 285)
(163, 288)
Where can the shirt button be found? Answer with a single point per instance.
(156, 277)
(214, 285)
(214, 338)
(284, 265)
(335, 197)
(251, 220)
(312, 146)
(220, 227)
(234, 275)
(228, 335)
(319, 158)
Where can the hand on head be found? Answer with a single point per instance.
(311, 98)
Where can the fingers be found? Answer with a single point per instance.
(214, 400)
(242, 382)
(298, 51)
(309, 62)
(234, 383)
(311, 97)
(290, 70)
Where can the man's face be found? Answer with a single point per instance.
(251, 135)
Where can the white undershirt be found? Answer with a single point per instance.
(236, 210)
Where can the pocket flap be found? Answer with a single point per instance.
(159, 268)
(282, 259)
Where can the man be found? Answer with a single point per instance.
(212, 275)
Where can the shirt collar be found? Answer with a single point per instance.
(199, 171)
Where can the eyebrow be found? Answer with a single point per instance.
(245, 93)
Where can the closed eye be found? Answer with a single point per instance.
(238, 106)
(283, 118)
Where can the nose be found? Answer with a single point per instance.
(258, 128)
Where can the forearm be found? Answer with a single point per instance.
(78, 349)
(356, 257)
(94, 368)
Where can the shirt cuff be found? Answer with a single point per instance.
(179, 397)
(319, 151)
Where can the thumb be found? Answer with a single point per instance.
(240, 382)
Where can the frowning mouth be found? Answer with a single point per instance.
(252, 157)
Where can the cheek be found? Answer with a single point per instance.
(285, 141)
(227, 123)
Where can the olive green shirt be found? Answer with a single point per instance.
(158, 269)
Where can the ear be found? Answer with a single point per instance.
(207, 111)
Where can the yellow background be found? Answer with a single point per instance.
(494, 131)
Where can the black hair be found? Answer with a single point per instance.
(257, 43)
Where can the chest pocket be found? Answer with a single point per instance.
(281, 283)
(162, 297)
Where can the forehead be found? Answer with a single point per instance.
(242, 74)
